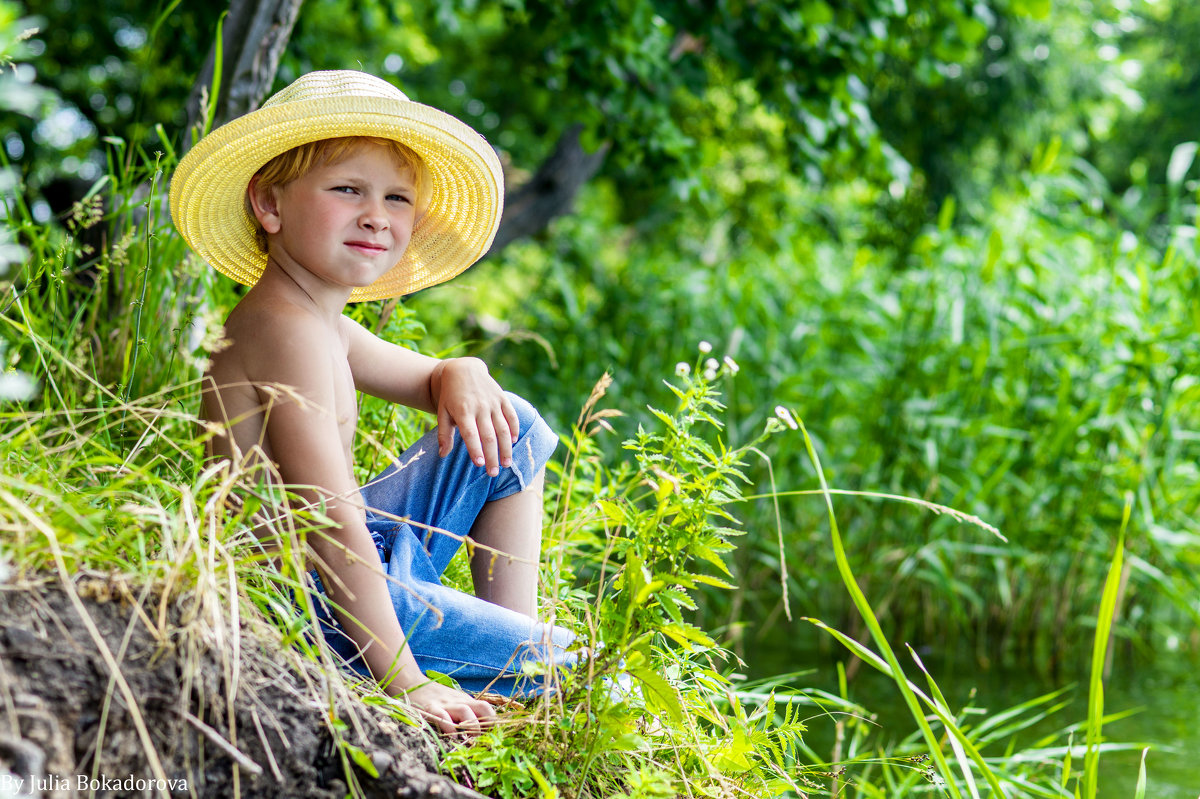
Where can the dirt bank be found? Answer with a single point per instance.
(160, 724)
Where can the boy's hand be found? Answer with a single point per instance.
(459, 390)
(468, 398)
(450, 710)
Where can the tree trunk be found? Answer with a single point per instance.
(254, 35)
(551, 191)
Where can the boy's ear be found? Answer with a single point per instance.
(265, 205)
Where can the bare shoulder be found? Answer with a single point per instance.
(353, 333)
(276, 341)
(362, 344)
(269, 343)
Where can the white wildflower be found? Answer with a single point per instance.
(682, 369)
(786, 417)
(705, 347)
(731, 365)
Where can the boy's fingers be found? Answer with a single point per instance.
(468, 429)
(483, 716)
(441, 719)
(468, 725)
(473, 716)
(489, 442)
(510, 414)
(504, 438)
(445, 424)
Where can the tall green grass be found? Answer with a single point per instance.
(960, 772)
(1030, 363)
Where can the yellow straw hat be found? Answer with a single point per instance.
(463, 213)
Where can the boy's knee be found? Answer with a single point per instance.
(530, 421)
(526, 413)
(535, 442)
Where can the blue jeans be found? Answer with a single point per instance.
(481, 645)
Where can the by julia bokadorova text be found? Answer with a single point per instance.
(11, 785)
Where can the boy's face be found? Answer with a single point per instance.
(345, 223)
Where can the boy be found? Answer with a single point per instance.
(340, 188)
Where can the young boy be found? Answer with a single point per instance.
(340, 188)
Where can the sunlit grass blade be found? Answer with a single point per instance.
(1019, 717)
(955, 743)
(938, 509)
(1104, 621)
(893, 664)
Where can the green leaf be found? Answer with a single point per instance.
(361, 759)
(732, 756)
(660, 693)
(611, 511)
(1104, 621)
(686, 635)
(548, 790)
(713, 581)
(646, 590)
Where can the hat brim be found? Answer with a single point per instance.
(457, 228)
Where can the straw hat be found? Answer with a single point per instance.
(208, 189)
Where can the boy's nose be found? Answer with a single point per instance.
(373, 218)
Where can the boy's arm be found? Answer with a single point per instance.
(459, 390)
(306, 441)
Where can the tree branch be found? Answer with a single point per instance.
(551, 191)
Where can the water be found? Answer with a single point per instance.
(1166, 694)
(1170, 696)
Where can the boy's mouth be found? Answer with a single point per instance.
(366, 247)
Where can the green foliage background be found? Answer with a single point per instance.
(957, 240)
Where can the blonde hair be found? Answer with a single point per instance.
(299, 161)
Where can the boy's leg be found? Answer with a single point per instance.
(481, 645)
(454, 495)
(512, 526)
(478, 641)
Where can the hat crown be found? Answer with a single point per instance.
(335, 83)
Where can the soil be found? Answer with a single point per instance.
(63, 715)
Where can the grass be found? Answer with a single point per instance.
(140, 514)
(1030, 363)
(103, 473)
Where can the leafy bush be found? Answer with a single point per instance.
(1031, 363)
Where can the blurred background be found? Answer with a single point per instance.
(957, 239)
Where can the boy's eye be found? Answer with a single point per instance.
(344, 189)
(403, 198)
